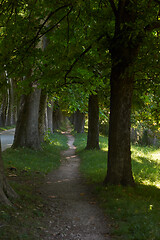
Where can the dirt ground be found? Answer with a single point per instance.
(72, 213)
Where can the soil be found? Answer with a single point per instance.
(71, 210)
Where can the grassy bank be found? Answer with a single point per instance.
(134, 211)
(6, 128)
(26, 169)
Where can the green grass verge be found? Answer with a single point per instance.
(134, 211)
(26, 170)
(6, 128)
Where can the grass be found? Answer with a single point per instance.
(26, 170)
(135, 211)
(36, 161)
(6, 128)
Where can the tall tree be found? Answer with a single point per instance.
(93, 123)
(27, 131)
(124, 49)
(42, 114)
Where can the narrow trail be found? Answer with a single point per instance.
(72, 213)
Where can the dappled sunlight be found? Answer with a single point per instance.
(105, 149)
(70, 157)
(62, 180)
(156, 155)
(146, 165)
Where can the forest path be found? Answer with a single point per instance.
(72, 213)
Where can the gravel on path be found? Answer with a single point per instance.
(72, 213)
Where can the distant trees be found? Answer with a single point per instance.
(9, 102)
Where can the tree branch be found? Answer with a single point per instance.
(68, 32)
(38, 37)
(152, 26)
(82, 54)
(113, 6)
(121, 6)
(44, 23)
(49, 29)
(157, 1)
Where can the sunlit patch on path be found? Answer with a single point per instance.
(71, 209)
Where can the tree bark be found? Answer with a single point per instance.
(10, 108)
(124, 49)
(57, 118)
(42, 111)
(6, 191)
(27, 132)
(119, 155)
(50, 116)
(79, 121)
(93, 123)
(3, 110)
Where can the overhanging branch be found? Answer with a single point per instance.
(82, 54)
(157, 1)
(152, 26)
(49, 29)
(113, 6)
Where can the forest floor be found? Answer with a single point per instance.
(71, 210)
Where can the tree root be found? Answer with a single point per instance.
(6, 191)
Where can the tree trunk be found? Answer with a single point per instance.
(71, 118)
(3, 110)
(79, 121)
(57, 118)
(27, 134)
(42, 111)
(93, 123)
(10, 107)
(119, 155)
(6, 191)
(50, 116)
(124, 49)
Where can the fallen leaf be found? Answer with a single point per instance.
(52, 196)
(82, 194)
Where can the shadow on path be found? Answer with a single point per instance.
(71, 211)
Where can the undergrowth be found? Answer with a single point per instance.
(134, 211)
(26, 169)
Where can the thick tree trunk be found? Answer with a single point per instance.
(71, 119)
(119, 155)
(79, 121)
(93, 123)
(6, 191)
(27, 133)
(42, 111)
(3, 110)
(124, 49)
(57, 119)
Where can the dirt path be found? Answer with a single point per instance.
(71, 211)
